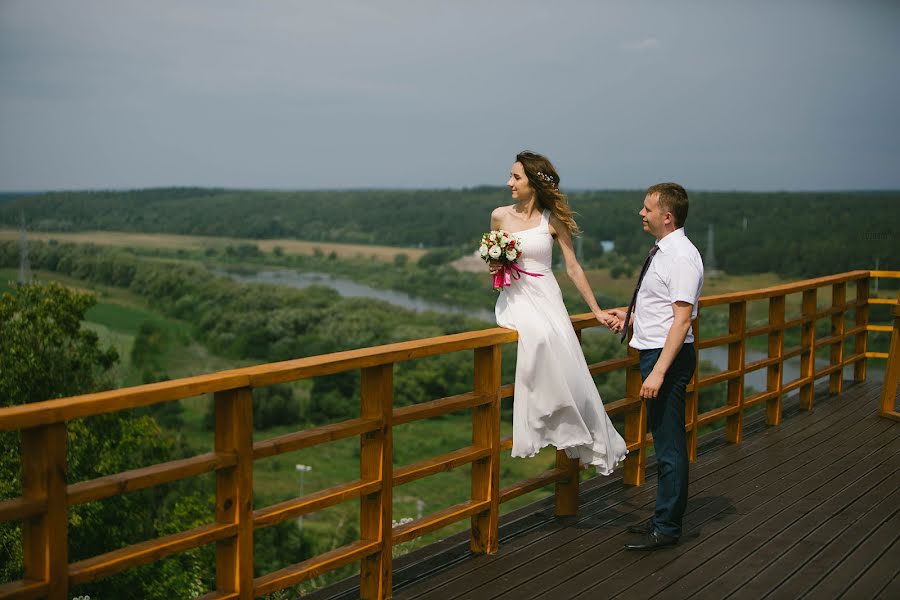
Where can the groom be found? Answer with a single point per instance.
(662, 308)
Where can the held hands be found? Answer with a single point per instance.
(607, 319)
(618, 317)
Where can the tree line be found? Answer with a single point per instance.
(796, 234)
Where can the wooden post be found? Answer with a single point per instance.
(838, 300)
(486, 434)
(566, 491)
(234, 491)
(776, 349)
(892, 371)
(635, 426)
(737, 320)
(862, 319)
(45, 543)
(692, 399)
(808, 343)
(376, 463)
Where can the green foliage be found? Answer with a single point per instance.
(149, 344)
(792, 234)
(47, 354)
(273, 406)
(442, 256)
(619, 271)
(243, 251)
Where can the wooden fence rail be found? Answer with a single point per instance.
(46, 496)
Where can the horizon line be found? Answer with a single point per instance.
(33, 192)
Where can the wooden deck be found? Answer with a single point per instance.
(810, 508)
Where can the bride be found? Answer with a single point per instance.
(556, 401)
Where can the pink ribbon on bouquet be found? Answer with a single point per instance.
(507, 273)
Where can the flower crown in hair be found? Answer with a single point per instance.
(548, 178)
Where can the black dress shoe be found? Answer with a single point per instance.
(652, 541)
(643, 528)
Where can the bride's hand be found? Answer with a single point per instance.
(494, 266)
(619, 318)
(606, 319)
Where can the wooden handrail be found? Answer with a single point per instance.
(783, 289)
(138, 479)
(25, 416)
(45, 499)
(316, 436)
(297, 507)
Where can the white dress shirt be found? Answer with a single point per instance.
(675, 274)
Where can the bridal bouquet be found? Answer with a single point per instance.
(504, 247)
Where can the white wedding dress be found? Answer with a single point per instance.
(556, 401)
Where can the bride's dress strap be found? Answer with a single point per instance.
(545, 218)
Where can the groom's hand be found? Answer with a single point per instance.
(619, 317)
(606, 319)
(650, 386)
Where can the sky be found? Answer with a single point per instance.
(321, 94)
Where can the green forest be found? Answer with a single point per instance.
(795, 234)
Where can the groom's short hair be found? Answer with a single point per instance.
(673, 199)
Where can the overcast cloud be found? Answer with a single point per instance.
(715, 94)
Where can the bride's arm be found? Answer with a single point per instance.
(576, 273)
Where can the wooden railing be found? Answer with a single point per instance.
(46, 495)
(892, 371)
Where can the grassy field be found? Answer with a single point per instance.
(199, 243)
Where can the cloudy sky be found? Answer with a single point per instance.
(718, 94)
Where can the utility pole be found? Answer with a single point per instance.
(876, 279)
(302, 469)
(710, 259)
(24, 267)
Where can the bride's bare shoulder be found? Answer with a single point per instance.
(500, 212)
(499, 216)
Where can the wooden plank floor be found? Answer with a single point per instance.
(810, 508)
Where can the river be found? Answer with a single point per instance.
(352, 289)
(718, 356)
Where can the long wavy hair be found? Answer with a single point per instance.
(544, 180)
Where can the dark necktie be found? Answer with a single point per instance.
(638, 287)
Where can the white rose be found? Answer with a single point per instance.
(483, 250)
(504, 240)
(511, 254)
(495, 252)
(493, 237)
